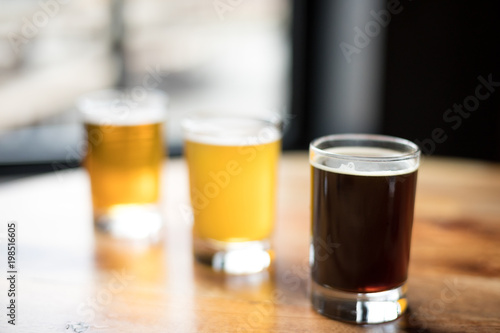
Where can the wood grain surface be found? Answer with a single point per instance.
(69, 278)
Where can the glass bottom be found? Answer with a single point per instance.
(359, 308)
(233, 257)
(130, 221)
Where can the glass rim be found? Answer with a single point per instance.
(271, 118)
(190, 121)
(120, 106)
(229, 128)
(413, 153)
(115, 93)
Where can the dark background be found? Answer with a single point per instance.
(434, 53)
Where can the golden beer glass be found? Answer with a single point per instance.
(125, 152)
(232, 162)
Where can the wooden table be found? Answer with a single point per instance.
(67, 275)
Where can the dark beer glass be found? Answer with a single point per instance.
(363, 195)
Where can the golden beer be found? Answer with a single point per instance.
(124, 158)
(233, 190)
(124, 164)
(232, 165)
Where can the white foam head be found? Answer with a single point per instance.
(123, 108)
(230, 131)
(364, 161)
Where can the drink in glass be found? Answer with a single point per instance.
(363, 194)
(125, 151)
(232, 165)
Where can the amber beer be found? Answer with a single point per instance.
(124, 164)
(363, 195)
(124, 156)
(232, 174)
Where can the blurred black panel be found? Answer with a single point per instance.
(298, 135)
(439, 56)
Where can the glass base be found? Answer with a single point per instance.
(233, 257)
(130, 221)
(360, 308)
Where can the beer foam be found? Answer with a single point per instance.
(124, 116)
(122, 108)
(365, 161)
(227, 131)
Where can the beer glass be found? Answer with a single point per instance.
(363, 195)
(232, 162)
(125, 151)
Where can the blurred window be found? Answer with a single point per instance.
(203, 54)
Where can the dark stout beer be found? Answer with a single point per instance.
(362, 222)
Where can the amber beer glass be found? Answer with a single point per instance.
(232, 165)
(363, 195)
(125, 151)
